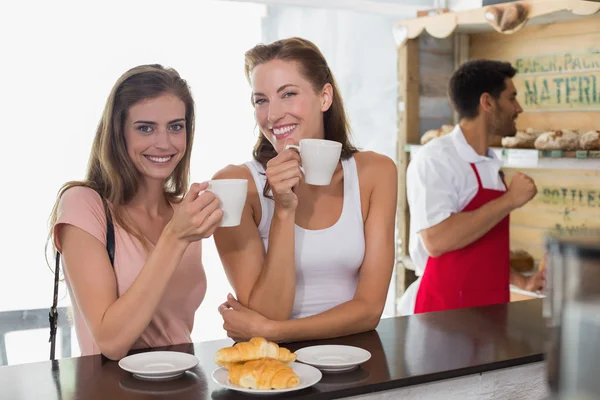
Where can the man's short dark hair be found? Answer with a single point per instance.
(474, 78)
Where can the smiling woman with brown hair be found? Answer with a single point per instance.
(307, 261)
(137, 178)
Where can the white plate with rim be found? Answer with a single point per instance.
(308, 376)
(333, 358)
(157, 365)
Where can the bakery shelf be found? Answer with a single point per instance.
(546, 159)
(555, 46)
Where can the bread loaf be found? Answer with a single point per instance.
(507, 19)
(430, 135)
(590, 140)
(513, 16)
(522, 140)
(521, 261)
(435, 133)
(255, 349)
(263, 374)
(557, 140)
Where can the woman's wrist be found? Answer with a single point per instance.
(283, 213)
(171, 240)
(273, 331)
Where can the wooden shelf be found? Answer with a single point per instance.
(541, 12)
(543, 159)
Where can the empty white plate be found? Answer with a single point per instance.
(333, 358)
(308, 376)
(158, 364)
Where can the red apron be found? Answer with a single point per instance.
(476, 275)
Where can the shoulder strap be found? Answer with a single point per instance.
(477, 176)
(110, 233)
(110, 248)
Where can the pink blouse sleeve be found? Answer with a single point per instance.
(81, 207)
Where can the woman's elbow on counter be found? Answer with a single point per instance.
(371, 319)
(111, 350)
(370, 325)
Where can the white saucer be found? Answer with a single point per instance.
(308, 376)
(333, 358)
(158, 365)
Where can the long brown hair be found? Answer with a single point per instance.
(110, 171)
(314, 68)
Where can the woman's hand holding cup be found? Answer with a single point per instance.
(284, 174)
(197, 216)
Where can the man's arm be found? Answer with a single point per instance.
(462, 229)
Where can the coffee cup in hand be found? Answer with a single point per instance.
(232, 196)
(319, 159)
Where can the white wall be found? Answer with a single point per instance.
(59, 62)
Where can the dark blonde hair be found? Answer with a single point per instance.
(110, 170)
(314, 68)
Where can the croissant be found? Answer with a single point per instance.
(253, 350)
(263, 374)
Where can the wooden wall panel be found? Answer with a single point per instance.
(436, 64)
(566, 200)
(408, 132)
(559, 72)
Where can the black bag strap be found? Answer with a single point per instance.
(110, 248)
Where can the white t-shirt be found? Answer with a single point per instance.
(441, 182)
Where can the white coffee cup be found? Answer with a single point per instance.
(319, 159)
(232, 195)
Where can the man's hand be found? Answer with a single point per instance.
(532, 283)
(521, 190)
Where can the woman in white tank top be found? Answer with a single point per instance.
(306, 262)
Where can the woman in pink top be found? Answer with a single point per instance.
(139, 164)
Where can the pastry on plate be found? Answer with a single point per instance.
(263, 374)
(254, 349)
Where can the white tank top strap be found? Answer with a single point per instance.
(260, 180)
(352, 187)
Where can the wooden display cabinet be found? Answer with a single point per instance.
(556, 49)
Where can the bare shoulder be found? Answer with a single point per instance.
(378, 179)
(233, 172)
(375, 167)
